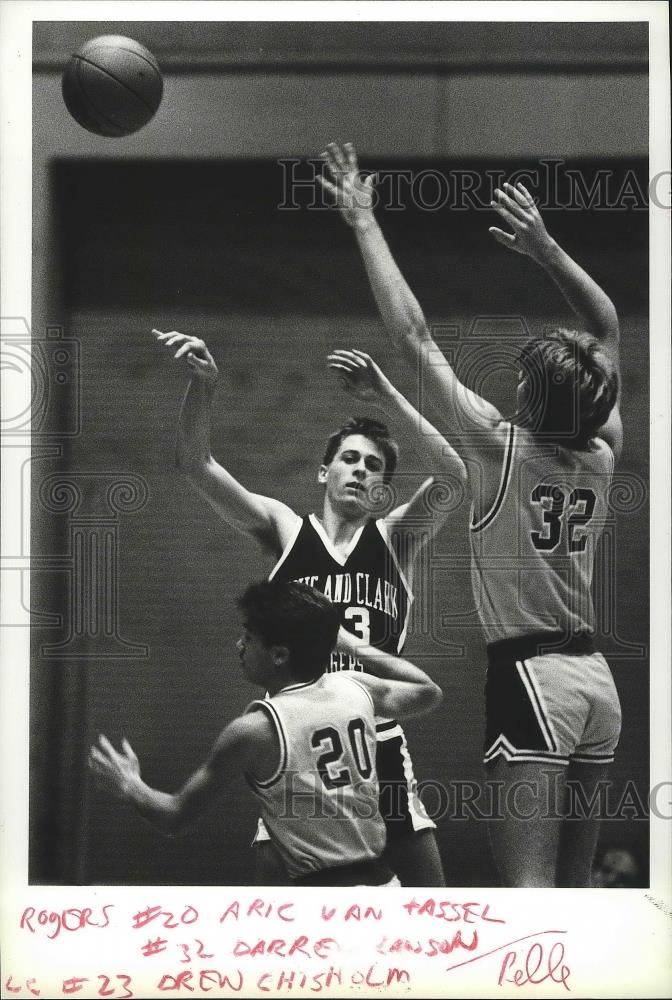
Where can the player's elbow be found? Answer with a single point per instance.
(425, 698)
(413, 333)
(194, 467)
(433, 696)
(174, 819)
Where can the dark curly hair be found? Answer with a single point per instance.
(294, 615)
(376, 431)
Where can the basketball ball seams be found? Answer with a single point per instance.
(122, 83)
(96, 111)
(120, 48)
(112, 85)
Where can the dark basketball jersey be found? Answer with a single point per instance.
(366, 583)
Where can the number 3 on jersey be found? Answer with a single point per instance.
(361, 622)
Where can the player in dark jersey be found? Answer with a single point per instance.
(539, 484)
(310, 743)
(364, 564)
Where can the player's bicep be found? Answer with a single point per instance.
(397, 699)
(413, 524)
(234, 751)
(268, 520)
(463, 410)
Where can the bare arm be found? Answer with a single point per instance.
(399, 689)
(265, 519)
(462, 410)
(241, 746)
(363, 379)
(588, 301)
(420, 518)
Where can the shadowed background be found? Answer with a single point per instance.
(179, 227)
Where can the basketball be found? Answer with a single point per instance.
(112, 85)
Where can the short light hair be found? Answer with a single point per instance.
(572, 386)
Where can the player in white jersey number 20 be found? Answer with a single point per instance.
(307, 750)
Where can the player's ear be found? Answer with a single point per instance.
(280, 656)
(322, 474)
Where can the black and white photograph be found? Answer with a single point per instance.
(335, 536)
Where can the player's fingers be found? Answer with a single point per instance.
(363, 355)
(96, 759)
(184, 349)
(506, 239)
(517, 195)
(107, 747)
(370, 180)
(175, 338)
(349, 358)
(343, 351)
(351, 156)
(530, 199)
(343, 364)
(531, 204)
(338, 156)
(195, 362)
(510, 203)
(128, 750)
(332, 166)
(508, 216)
(343, 374)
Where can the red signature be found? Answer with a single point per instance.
(535, 966)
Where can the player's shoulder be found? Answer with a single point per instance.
(350, 681)
(602, 450)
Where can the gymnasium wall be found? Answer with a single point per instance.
(178, 227)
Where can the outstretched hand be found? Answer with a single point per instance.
(360, 375)
(117, 771)
(191, 351)
(352, 193)
(516, 206)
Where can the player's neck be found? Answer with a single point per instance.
(339, 527)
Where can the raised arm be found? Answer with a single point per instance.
(463, 411)
(399, 689)
(362, 378)
(247, 744)
(589, 302)
(265, 519)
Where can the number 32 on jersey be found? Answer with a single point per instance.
(579, 506)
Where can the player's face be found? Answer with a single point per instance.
(257, 660)
(357, 467)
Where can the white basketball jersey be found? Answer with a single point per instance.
(532, 553)
(321, 805)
